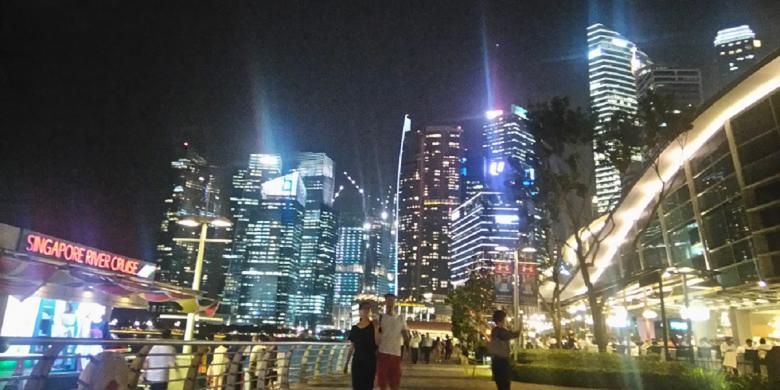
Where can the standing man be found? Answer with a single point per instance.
(393, 332)
(414, 343)
(427, 346)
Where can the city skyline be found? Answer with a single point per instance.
(171, 101)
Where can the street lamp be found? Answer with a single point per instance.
(204, 223)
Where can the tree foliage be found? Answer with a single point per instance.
(630, 142)
(471, 304)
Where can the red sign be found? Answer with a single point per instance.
(40, 244)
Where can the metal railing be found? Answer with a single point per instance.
(62, 363)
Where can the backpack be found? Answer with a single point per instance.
(497, 348)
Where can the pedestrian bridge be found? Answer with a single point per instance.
(66, 363)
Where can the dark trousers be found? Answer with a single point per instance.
(415, 355)
(158, 386)
(502, 373)
(427, 354)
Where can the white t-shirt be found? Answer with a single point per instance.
(157, 367)
(392, 327)
(415, 342)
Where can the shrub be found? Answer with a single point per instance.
(611, 371)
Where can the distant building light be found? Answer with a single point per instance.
(493, 114)
(594, 53)
(619, 42)
(506, 219)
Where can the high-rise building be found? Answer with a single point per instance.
(429, 189)
(735, 48)
(471, 174)
(245, 195)
(683, 85)
(314, 301)
(508, 148)
(379, 273)
(195, 192)
(612, 63)
(350, 273)
(484, 230)
(270, 271)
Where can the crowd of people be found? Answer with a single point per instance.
(423, 346)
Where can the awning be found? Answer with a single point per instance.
(22, 276)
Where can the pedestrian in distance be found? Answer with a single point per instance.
(427, 346)
(158, 363)
(414, 345)
(498, 349)
(392, 334)
(363, 336)
(448, 347)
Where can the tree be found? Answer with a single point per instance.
(471, 304)
(565, 144)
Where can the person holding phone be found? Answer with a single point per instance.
(364, 336)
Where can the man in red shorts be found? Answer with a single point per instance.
(392, 333)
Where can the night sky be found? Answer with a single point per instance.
(95, 100)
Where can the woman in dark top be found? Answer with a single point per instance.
(499, 351)
(363, 350)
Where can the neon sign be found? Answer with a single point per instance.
(55, 248)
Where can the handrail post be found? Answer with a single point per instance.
(302, 371)
(191, 380)
(136, 365)
(234, 368)
(331, 363)
(318, 362)
(283, 362)
(41, 370)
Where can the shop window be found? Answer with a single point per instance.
(710, 152)
(772, 241)
(770, 217)
(719, 193)
(729, 277)
(753, 122)
(762, 169)
(679, 216)
(721, 258)
(759, 147)
(726, 223)
(714, 174)
(767, 193)
(677, 198)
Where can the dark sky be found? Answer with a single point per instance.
(95, 99)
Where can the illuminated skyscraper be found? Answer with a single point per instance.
(350, 254)
(314, 300)
(245, 198)
(681, 84)
(195, 191)
(736, 48)
(270, 272)
(429, 189)
(612, 61)
(485, 230)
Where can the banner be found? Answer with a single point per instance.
(528, 283)
(502, 272)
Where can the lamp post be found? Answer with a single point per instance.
(203, 223)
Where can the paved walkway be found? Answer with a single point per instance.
(434, 376)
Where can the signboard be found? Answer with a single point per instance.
(528, 273)
(38, 244)
(502, 271)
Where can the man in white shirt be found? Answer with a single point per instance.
(392, 332)
(159, 361)
(414, 344)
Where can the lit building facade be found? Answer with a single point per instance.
(683, 85)
(484, 230)
(429, 190)
(317, 268)
(714, 236)
(612, 63)
(350, 252)
(195, 192)
(245, 195)
(270, 272)
(736, 49)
